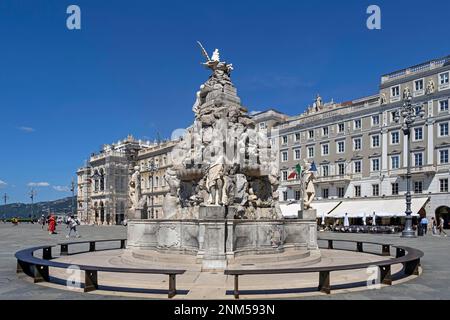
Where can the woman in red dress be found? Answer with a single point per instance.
(51, 224)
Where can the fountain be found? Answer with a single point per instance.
(223, 200)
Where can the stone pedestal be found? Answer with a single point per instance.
(213, 235)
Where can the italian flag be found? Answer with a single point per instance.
(296, 172)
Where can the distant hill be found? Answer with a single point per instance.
(24, 210)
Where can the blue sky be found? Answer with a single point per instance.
(134, 68)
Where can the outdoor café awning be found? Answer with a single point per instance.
(324, 208)
(381, 207)
(291, 210)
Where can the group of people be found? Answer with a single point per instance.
(434, 226)
(70, 221)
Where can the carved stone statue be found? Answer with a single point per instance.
(406, 93)
(222, 159)
(135, 188)
(318, 102)
(383, 99)
(215, 183)
(430, 87)
(137, 201)
(309, 191)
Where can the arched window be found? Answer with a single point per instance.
(102, 180)
(156, 182)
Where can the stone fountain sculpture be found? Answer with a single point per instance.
(223, 199)
(222, 160)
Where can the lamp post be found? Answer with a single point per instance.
(94, 178)
(72, 188)
(407, 115)
(33, 193)
(152, 168)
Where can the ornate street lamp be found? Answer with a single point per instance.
(152, 168)
(408, 114)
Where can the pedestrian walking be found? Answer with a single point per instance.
(441, 227)
(72, 224)
(43, 221)
(424, 225)
(51, 224)
(433, 226)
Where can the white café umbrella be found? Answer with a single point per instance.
(364, 219)
(323, 218)
(374, 219)
(346, 221)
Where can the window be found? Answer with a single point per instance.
(443, 185)
(325, 149)
(357, 191)
(357, 144)
(311, 134)
(443, 156)
(375, 141)
(376, 164)
(341, 147)
(341, 127)
(284, 175)
(395, 162)
(418, 159)
(284, 156)
(443, 129)
(418, 186)
(443, 105)
(375, 120)
(395, 137)
(357, 124)
(325, 171)
(341, 192)
(443, 78)
(262, 125)
(297, 195)
(310, 152)
(297, 154)
(418, 85)
(325, 131)
(395, 91)
(394, 188)
(285, 195)
(417, 110)
(357, 168)
(285, 139)
(325, 193)
(375, 190)
(393, 115)
(418, 134)
(341, 169)
(297, 136)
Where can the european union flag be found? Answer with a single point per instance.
(313, 167)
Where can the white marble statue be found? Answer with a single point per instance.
(309, 191)
(406, 93)
(430, 87)
(215, 182)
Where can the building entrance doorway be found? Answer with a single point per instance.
(443, 212)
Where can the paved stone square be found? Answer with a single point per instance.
(434, 283)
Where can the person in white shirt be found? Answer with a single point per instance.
(72, 224)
